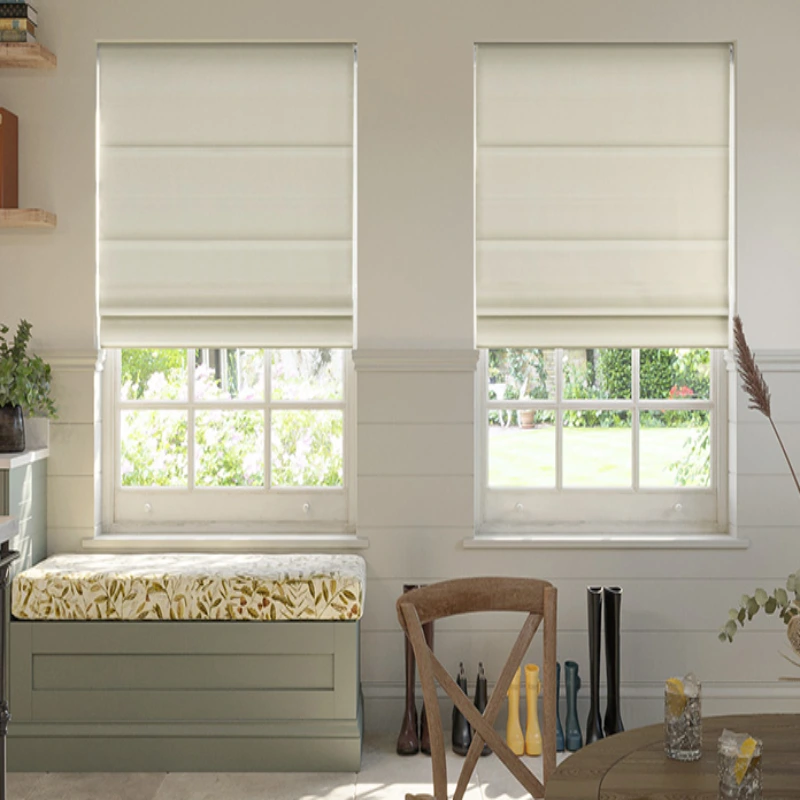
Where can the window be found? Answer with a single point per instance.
(603, 260)
(249, 435)
(225, 284)
(588, 437)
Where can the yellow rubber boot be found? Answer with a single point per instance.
(533, 688)
(514, 737)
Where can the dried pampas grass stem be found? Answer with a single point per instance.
(755, 386)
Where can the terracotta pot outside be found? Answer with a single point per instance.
(527, 418)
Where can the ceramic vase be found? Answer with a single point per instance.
(574, 740)
(612, 602)
(559, 728)
(462, 735)
(533, 688)
(514, 737)
(12, 429)
(594, 724)
(481, 699)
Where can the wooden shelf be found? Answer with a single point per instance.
(26, 56)
(27, 218)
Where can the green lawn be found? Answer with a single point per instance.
(592, 456)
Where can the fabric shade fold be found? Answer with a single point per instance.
(602, 195)
(226, 195)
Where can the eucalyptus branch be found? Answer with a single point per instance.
(779, 600)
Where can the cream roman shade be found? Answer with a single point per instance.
(226, 195)
(602, 197)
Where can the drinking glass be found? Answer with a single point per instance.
(739, 766)
(683, 723)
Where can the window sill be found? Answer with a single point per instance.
(599, 541)
(230, 543)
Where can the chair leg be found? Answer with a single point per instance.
(425, 660)
(408, 739)
(425, 736)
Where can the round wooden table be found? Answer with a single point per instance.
(633, 765)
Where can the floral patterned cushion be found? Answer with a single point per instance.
(191, 586)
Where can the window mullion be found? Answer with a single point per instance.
(190, 353)
(267, 420)
(116, 379)
(559, 420)
(635, 418)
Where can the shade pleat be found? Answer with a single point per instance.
(602, 195)
(226, 195)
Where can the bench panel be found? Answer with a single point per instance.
(185, 637)
(170, 683)
(160, 706)
(180, 672)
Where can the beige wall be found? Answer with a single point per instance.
(416, 291)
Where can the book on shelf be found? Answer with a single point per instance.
(17, 37)
(8, 24)
(18, 10)
(9, 141)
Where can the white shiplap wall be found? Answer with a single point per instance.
(674, 600)
(74, 469)
(416, 290)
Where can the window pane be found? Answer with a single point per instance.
(307, 448)
(154, 448)
(674, 374)
(153, 375)
(522, 455)
(229, 448)
(597, 374)
(675, 448)
(516, 373)
(307, 374)
(235, 374)
(597, 449)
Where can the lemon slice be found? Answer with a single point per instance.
(676, 697)
(744, 758)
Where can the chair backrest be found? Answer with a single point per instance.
(538, 599)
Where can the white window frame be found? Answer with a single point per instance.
(535, 512)
(246, 510)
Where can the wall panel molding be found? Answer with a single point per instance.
(769, 360)
(415, 360)
(75, 360)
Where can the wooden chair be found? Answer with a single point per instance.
(463, 596)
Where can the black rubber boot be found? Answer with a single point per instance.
(594, 725)
(612, 600)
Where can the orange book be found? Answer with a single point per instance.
(9, 161)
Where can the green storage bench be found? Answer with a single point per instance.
(187, 662)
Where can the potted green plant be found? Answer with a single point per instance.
(24, 387)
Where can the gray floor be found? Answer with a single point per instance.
(383, 775)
